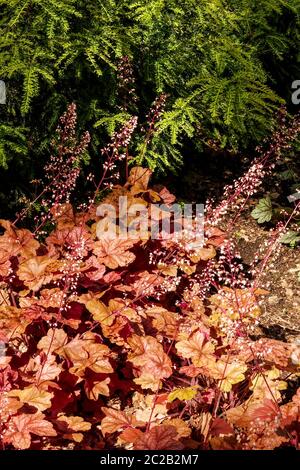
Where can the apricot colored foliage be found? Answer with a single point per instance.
(112, 343)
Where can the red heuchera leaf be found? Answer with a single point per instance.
(190, 371)
(267, 411)
(166, 196)
(215, 236)
(162, 437)
(220, 427)
(21, 426)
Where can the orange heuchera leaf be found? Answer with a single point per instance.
(253, 410)
(291, 411)
(197, 348)
(202, 254)
(267, 385)
(164, 321)
(5, 265)
(33, 396)
(8, 407)
(139, 178)
(114, 252)
(93, 269)
(130, 435)
(168, 269)
(72, 423)
(241, 415)
(182, 427)
(215, 236)
(147, 380)
(268, 410)
(39, 367)
(94, 389)
(55, 339)
(190, 371)
(63, 216)
(149, 407)
(148, 353)
(162, 437)
(116, 420)
(78, 238)
(86, 353)
(141, 347)
(18, 241)
(158, 364)
(33, 272)
(100, 312)
(274, 351)
(234, 303)
(21, 426)
(114, 332)
(147, 283)
(51, 298)
(166, 196)
(119, 306)
(224, 443)
(12, 322)
(107, 315)
(228, 374)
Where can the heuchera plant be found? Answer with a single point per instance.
(134, 343)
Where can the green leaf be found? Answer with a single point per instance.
(290, 238)
(263, 211)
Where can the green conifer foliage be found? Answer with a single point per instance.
(222, 64)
